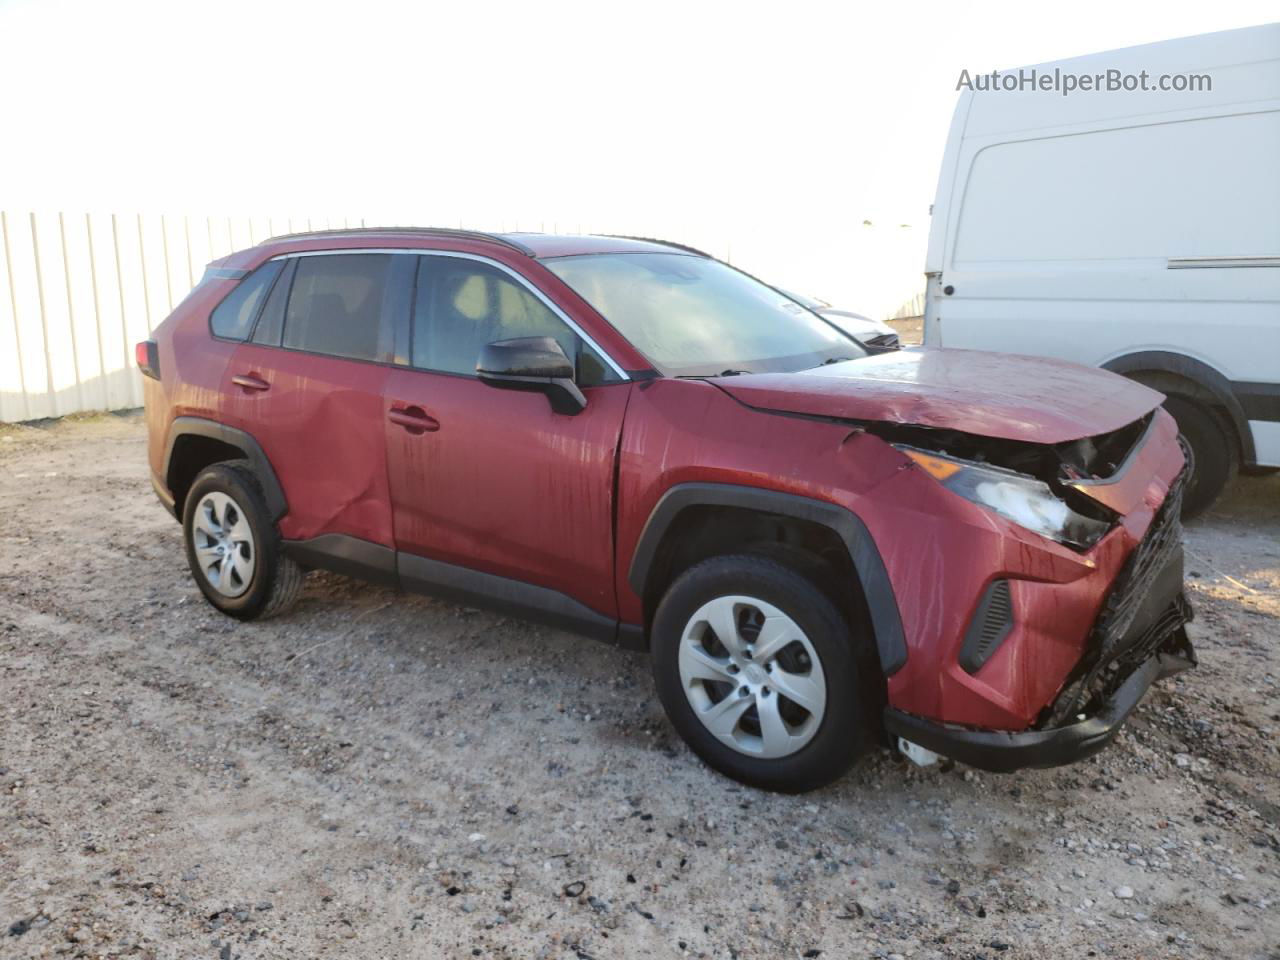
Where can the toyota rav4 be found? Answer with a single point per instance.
(967, 554)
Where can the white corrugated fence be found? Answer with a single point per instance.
(78, 290)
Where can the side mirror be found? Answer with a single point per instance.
(537, 364)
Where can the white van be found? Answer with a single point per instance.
(1136, 230)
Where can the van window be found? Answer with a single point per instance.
(461, 305)
(233, 317)
(1193, 188)
(335, 306)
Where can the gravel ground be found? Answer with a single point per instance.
(384, 776)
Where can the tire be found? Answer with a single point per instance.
(819, 745)
(1214, 453)
(251, 578)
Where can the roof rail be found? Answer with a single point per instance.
(430, 231)
(665, 243)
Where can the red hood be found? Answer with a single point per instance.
(1032, 399)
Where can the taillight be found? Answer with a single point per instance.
(148, 356)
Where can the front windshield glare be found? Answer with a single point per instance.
(692, 316)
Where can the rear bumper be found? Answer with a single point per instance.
(1002, 752)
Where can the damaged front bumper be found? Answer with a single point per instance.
(1001, 752)
(1139, 637)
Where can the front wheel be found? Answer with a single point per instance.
(762, 675)
(233, 548)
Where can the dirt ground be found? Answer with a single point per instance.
(377, 776)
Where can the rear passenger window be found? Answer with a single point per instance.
(335, 306)
(233, 317)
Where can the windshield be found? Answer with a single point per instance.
(696, 317)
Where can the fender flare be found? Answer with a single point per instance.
(266, 474)
(886, 620)
(1199, 373)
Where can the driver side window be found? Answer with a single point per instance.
(461, 305)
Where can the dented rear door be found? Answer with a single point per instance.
(318, 416)
(319, 421)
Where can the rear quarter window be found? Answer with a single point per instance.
(233, 318)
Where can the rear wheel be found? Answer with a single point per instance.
(1215, 457)
(761, 675)
(233, 548)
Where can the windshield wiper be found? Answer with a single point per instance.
(827, 363)
(703, 376)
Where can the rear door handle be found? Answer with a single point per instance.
(414, 419)
(249, 382)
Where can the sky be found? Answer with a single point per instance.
(800, 140)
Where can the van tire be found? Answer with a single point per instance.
(1214, 452)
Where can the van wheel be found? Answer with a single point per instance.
(1215, 458)
(761, 674)
(233, 547)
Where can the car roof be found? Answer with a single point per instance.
(537, 245)
(548, 245)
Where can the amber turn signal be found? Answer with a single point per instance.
(936, 467)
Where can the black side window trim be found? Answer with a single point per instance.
(390, 327)
(284, 276)
(623, 376)
(397, 308)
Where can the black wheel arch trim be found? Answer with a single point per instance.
(165, 497)
(882, 603)
(1199, 373)
(201, 427)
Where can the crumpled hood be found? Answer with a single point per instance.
(1032, 399)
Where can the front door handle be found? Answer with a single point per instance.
(414, 419)
(249, 382)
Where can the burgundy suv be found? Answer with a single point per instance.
(977, 555)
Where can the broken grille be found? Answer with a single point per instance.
(1113, 651)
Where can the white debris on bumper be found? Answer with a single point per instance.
(917, 754)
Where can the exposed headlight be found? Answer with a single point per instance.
(1024, 500)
